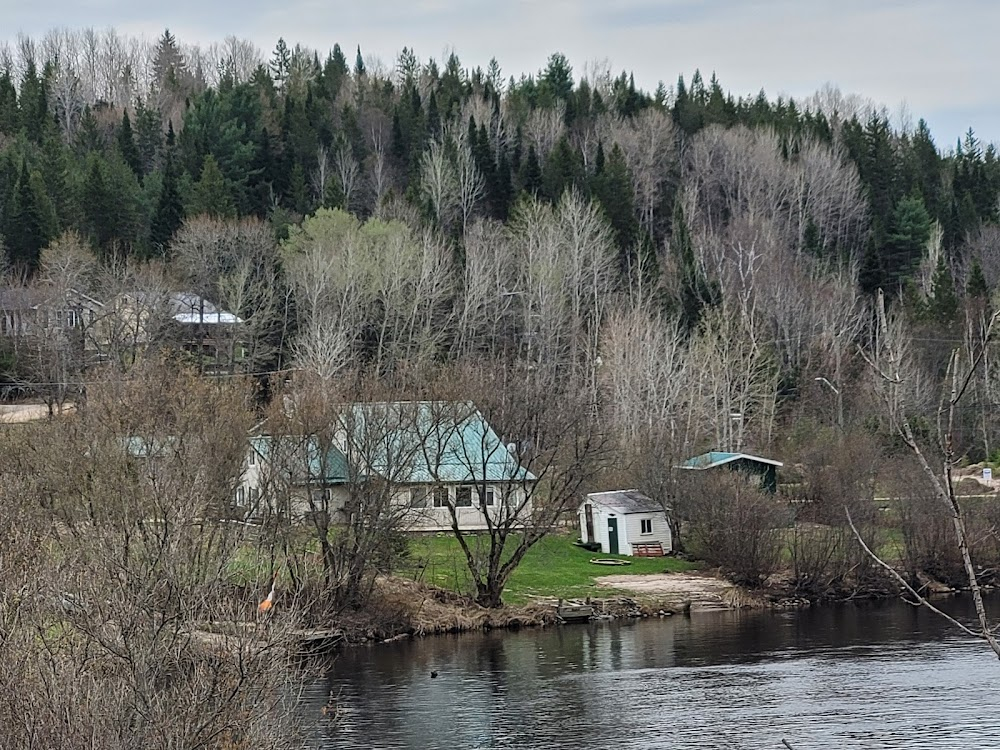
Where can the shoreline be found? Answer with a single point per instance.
(406, 609)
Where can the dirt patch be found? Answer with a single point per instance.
(677, 590)
(16, 413)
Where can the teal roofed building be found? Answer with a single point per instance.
(765, 468)
(442, 462)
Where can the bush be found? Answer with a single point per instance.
(735, 526)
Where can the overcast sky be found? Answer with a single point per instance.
(936, 57)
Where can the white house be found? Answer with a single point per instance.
(438, 458)
(625, 522)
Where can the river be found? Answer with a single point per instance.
(874, 675)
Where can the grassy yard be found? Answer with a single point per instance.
(553, 567)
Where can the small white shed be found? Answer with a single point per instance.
(624, 522)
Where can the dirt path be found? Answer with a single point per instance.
(703, 592)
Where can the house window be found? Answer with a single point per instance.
(67, 318)
(646, 526)
(487, 498)
(241, 496)
(253, 458)
(463, 497)
(418, 497)
(321, 497)
(440, 497)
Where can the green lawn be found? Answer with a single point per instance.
(553, 567)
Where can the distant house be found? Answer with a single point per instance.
(436, 458)
(625, 522)
(205, 331)
(34, 312)
(286, 471)
(764, 468)
(210, 334)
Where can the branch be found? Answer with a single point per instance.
(902, 581)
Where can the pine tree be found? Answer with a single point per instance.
(169, 210)
(944, 302)
(127, 147)
(696, 292)
(99, 205)
(27, 232)
(977, 287)
(8, 104)
(148, 136)
(211, 194)
(531, 173)
(359, 64)
(612, 187)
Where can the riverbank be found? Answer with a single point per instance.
(402, 608)
(432, 593)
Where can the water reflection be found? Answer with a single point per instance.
(867, 676)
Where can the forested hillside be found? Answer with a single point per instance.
(700, 261)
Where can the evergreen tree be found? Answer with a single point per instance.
(8, 104)
(563, 170)
(128, 148)
(943, 305)
(211, 193)
(531, 173)
(905, 243)
(977, 288)
(99, 205)
(696, 292)
(612, 188)
(359, 64)
(298, 190)
(169, 210)
(26, 231)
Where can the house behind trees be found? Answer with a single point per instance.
(762, 470)
(432, 458)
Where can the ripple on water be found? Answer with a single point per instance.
(715, 683)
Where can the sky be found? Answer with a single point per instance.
(934, 59)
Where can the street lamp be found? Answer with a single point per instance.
(832, 386)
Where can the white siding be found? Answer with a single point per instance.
(469, 518)
(660, 532)
(629, 528)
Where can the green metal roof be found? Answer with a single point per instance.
(429, 442)
(718, 458)
(306, 461)
(408, 442)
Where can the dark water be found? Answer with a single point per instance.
(867, 676)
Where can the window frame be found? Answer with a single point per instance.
(425, 495)
(461, 491)
(490, 499)
(440, 497)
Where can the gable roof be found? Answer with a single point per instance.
(31, 298)
(189, 308)
(717, 458)
(625, 501)
(412, 442)
(308, 464)
(429, 442)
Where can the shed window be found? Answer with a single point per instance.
(463, 497)
(646, 526)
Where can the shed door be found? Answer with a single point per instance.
(613, 536)
(589, 513)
